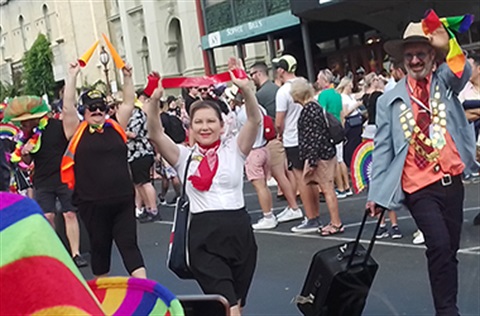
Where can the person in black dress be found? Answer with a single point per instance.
(95, 164)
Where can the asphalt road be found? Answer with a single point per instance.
(400, 287)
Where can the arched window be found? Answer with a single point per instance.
(145, 57)
(175, 44)
(46, 18)
(21, 22)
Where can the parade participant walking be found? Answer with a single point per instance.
(266, 93)
(318, 155)
(141, 158)
(44, 144)
(422, 146)
(95, 165)
(222, 247)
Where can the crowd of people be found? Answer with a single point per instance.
(100, 163)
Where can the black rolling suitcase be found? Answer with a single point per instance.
(337, 283)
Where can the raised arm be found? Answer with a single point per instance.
(70, 118)
(125, 109)
(163, 144)
(248, 133)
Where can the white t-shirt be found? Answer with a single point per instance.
(260, 141)
(348, 103)
(284, 103)
(226, 192)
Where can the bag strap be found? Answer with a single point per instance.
(184, 184)
(359, 235)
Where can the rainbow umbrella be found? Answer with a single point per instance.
(361, 165)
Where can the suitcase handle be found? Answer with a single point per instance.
(359, 235)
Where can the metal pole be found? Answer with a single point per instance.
(240, 53)
(271, 46)
(211, 60)
(109, 89)
(308, 50)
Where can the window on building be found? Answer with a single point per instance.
(46, 18)
(21, 22)
(145, 57)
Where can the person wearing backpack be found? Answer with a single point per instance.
(257, 169)
(317, 153)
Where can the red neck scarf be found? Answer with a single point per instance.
(202, 178)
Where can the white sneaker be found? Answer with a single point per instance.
(272, 182)
(139, 212)
(419, 239)
(265, 223)
(289, 214)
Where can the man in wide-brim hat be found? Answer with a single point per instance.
(422, 146)
(45, 143)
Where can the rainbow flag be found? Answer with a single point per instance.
(131, 296)
(37, 275)
(455, 57)
(361, 166)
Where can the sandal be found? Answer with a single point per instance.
(331, 229)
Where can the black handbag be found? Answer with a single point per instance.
(335, 128)
(355, 120)
(177, 259)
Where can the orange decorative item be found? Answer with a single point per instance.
(82, 61)
(119, 63)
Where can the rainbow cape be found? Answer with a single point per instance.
(37, 275)
(361, 165)
(455, 57)
(131, 296)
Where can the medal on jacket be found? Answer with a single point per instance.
(438, 129)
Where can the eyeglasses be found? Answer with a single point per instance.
(97, 106)
(202, 89)
(409, 56)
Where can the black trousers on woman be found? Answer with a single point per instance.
(438, 213)
(354, 138)
(108, 221)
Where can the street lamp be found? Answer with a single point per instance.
(104, 59)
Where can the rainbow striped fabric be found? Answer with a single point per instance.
(455, 57)
(37, 275)
(131, 296)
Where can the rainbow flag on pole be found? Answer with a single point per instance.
(455, 57)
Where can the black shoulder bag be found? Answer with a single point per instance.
(178, 259)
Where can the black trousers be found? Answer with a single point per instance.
(108, 221)
(438, 213)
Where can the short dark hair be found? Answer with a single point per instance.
(205, 104)
(475, 56)
(141, 92)
(398, 64)
(261, 66)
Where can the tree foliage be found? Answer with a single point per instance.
(38, 72)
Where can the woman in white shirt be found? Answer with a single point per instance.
(222, 248)
(353, 119)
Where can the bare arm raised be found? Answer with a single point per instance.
(125, 109)
(70, 118)
(248, 133)
(164, 145)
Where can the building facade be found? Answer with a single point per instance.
(71, 26)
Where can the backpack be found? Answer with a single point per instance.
(269, 132)
(335, 128)
(173, 128)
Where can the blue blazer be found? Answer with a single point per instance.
(391, 146)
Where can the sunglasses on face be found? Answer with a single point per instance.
(203, 89)
(99, 106)
(409, 56)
